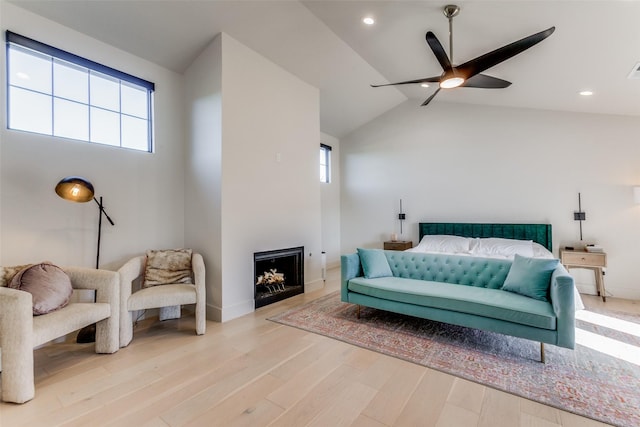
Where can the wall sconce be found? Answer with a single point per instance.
(636, 195)
(401, 216)
(579, 215)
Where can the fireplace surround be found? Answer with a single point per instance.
(278, 274)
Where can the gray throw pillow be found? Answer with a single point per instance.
(49, 286)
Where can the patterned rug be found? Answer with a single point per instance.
(585, 381)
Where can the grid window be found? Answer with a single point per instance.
(57, 93)
(325, 163)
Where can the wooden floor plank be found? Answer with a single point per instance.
(466, 394)
(240, 408)
(499, 409)
(343, 412)
(423, 411)
(393, 395)
(330, 389)
(291, 391)
(260, 362)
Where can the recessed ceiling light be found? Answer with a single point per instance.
(368, 20)
(424, 85)
(586, 93)
(22, 75)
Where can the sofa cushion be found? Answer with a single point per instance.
(491, 303)
(374, 263)
(530, 277)
(49, 286)
(458, 269)
(167, 267)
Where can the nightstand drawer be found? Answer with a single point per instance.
(584, 258)
(397, 245)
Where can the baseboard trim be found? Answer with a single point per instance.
(224, 314)
(314, 285)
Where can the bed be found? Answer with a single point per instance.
(539, 233)
(488, 240)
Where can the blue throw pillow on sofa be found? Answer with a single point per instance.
(374, 263)
(530, 277)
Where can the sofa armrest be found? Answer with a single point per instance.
(130, 271)
(349, 269)
(563, 302)
(16, 342)
(16, 309)
(197, 264)
(104, 282)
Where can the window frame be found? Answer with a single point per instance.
(326, 150)
(93, 68)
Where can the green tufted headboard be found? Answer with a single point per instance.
(540, 233)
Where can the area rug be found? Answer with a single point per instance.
(584, 381)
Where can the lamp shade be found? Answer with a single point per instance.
(75, 189)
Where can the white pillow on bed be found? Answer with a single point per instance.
(494, 246)
(444, 243)
(540, 251)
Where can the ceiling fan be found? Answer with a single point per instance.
(468, 74)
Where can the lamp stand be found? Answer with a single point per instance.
(88, 333)
(102, 211)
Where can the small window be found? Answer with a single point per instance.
(57, 93)
(325, 163)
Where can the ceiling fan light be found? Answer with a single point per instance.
(451, 82)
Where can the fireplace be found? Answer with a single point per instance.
(278, 274)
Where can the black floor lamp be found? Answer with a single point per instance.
(77, 189)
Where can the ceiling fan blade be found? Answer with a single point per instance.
(430, 98)
(438, 51)
(408, 82)
(485, 82)
(488, 60)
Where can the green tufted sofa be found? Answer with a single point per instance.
(464, 291)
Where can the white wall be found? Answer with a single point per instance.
(143, 192)
(330, 201)
(463, 163)
(203, 109)
(269, 187)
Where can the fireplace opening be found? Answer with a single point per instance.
(278, 274)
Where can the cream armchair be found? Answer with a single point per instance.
(168, 298)
(21, 331)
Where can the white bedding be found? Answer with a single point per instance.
(486, 248)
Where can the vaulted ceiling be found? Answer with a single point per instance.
(595, 46)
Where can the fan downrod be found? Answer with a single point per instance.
(451, 10)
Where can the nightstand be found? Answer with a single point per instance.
(595, 261)
(397, 245)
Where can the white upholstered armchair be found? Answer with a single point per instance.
(168, 297)
(21, 331)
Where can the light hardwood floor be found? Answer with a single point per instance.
(253, 372)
